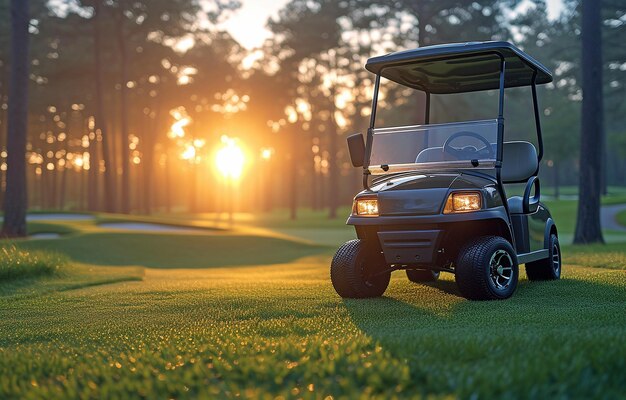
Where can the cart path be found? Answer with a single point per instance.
(608, 217)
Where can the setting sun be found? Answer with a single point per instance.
(230, 159)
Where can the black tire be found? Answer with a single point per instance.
(422, 275)
(548, 269)
(355, 271)
(487, 269)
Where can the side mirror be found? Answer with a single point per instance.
(356, 147)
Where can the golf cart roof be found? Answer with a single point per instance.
(459, 67)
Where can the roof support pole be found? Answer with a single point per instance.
(426, 118)
(501, 114)
(500, 185)
(374, 101)
(537, 119)
(427, 110)
(370, 134)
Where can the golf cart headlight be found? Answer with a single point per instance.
(367, 207)
(462, 202)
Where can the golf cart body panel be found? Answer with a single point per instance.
(432, 192)
(413, 231)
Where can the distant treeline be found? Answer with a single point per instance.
(129, 99)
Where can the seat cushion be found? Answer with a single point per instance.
(516, 205)
(519, 161)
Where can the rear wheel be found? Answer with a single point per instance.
(356, 272)
(422, 275)
(549, 268)
(487, 269)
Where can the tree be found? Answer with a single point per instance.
(122, 40)
(588, 229)
(309, 34)
(614, 74)
(551, 42)
(15, 201)
(101, 123)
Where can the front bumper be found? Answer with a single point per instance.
(409, 247)
(417, 239)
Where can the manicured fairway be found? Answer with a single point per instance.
(276, 328)
(280, 330)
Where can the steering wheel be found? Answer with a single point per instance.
(468, 152)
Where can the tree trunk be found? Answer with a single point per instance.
(4, 79)
(66, 167)
(293, 175)
(333, 164)
(557, 181)
(109, 172)
(92, 193)
(123, 56)
(149, 139)
(193, 188)
(588, 229)
(334, 168)
(314, 191)
(15, 201)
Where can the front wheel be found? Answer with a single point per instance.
(357, 273)
(487, 269)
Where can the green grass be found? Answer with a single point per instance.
(162, 220)
(175, 250)
(621, 218)
(614, 199)
(251, 314)
(56, 211)
(306, 218)
(279, 330)
(573, 190)
(71, 277)
(564, 213)
(17, 263)
(612, 255)
(34, 227)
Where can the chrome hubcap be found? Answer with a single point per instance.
(501, 269)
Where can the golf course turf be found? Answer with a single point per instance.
(246, 315)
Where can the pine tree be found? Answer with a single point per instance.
(15, 201)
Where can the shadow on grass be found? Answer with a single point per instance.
(69, 278)
(176, 250)
(539, 341)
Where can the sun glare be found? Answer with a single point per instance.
(177, 130)
(230, 159)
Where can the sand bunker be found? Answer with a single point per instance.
(150, 227)
(60, 217)
(44, 235)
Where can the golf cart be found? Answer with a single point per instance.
(434, 194)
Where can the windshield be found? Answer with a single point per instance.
(437, 146)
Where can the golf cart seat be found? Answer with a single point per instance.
(519, 163)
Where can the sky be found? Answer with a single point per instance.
(247, 25)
